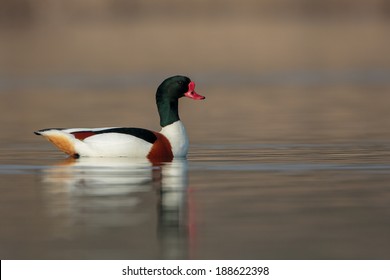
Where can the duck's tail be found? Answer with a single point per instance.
(62, 140)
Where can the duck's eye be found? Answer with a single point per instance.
(180, 83)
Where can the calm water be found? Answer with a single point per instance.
(234, 201)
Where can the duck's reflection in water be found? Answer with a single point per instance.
(117, 198)
(175, 227)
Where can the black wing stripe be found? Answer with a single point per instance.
(141, 133)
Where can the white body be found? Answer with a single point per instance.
(120, 144)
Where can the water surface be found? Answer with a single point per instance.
(235, 201)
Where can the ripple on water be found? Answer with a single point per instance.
(290, 157)
(260, 201)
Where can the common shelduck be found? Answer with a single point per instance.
(170, 142)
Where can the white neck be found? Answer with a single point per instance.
(177, 136)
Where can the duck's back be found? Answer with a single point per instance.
(109, 142)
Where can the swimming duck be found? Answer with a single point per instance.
(170, 142)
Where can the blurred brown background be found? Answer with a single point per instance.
(151, 36)
(304, 67)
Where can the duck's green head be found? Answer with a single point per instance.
(176, 87)
(168, 94)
